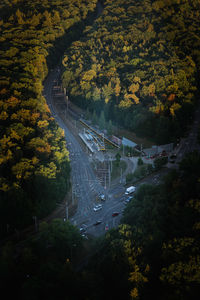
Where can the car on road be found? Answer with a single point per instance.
(83, 228)
(97, 207)
(130, 190)
(128, 199)
(172, 158)
(84, 236)
(115, 214)
(97, 223)
(102, 197)
(106, 227)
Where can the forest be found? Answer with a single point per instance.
(34, 161)
(139, 63)
(153, 253)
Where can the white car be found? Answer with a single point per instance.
(97, 207)
(83, 228)
(130, 190)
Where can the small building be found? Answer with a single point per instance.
(150, 152)
(129, 143)
(158, 150)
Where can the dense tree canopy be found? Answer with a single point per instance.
(154, 251)
(139, 60)
(34, 161)
(167, 220)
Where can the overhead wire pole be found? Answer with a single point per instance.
(121, 175)
(66, 97)
(67, 213)
(111, 163)
(72, 195)
(109, 174)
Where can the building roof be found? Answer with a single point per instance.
(128, 143)
(156, 150)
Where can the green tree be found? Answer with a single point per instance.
(63, 237)
(140, 161)
(160, 162)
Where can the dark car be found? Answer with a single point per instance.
(173, 156)
(102, 197)
(115, 214)
(97, 223)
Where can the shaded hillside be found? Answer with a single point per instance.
(154, 252)
(138, 62)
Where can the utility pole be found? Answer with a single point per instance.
(72, 196)
(67, 215)
(111, 163)
(109, 174)
(121, 175)
(66, 97)
(67, 102)
(65, 114)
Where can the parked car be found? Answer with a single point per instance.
(97, 207)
